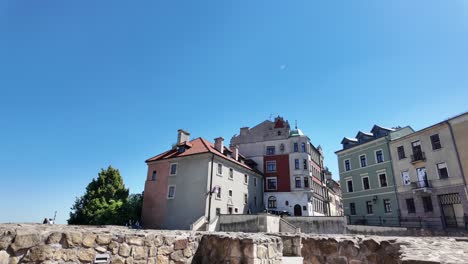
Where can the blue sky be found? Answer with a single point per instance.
(88, 84)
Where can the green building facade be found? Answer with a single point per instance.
(367, 178)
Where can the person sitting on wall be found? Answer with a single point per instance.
(46, 221)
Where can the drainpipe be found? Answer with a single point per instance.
(209, 191)
(394, 179)
(458, 159)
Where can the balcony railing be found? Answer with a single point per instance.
(421, 184)
(418, 156)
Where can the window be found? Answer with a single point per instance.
(296, 147)
(304, 208)
(246, 198)
(296, 164)
(286, 203)
(401, 152)
(379, 156)
(279, 133)
(271, 150)
(173, 169)
(347, 165)
(230, 193)
(442, 170)
(303, 147)
(352, 209)
(246, 178)
(369, 207)
(220, 169)
(218, 211)
(349, 183)
(153, 177)
(218, 194)
(255, 181)
(435, 141)
(231, 173)
(271, 166)
(383, 180)
(171, 192)
(271, 202)
(236, 210)
(298, 182)
(363, 161)
(405, 178)
(387, 206)
(271, 183)
(304, 164)
(410, 206)
(255, 201)
(427, 203)
(229, 209)
(365, 183)
(306, 182)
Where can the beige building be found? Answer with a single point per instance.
(428, 174)
(459, 127)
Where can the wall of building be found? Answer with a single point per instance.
(292, 199)
(190, 198)
(460, 133)
(318, 225)
(376, 193)
(281, 173)
(155, 196)
(238, 187)
(249, 223)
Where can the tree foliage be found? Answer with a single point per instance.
(105, 201)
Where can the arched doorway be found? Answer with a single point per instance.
(297, 210)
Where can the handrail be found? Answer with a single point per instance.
(196, 225)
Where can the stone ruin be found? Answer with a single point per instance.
(30, 243)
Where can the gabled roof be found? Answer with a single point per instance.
(347, 139)
(197, 146)
(376, 128)
(360, 134)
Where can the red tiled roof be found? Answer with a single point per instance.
(196, 146)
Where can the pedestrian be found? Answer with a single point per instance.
(46, 221)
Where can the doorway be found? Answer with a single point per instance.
(297, 210)
(451, 208)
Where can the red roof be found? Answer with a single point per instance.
(196, 146)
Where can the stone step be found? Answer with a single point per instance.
(293, 260)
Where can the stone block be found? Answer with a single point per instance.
(4, 257)
(134, 240)
(73, 238)
(124, 250)
(165, 250)
(100, 249)
(89, 240)
(86, 255)
(5, 242)
(24, 241)
(117, 260)
(180, 244)
(54, 238)
(103, 239)
(153, 251)
(139, 252)
(160, 259)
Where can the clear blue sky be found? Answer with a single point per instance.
(88, 84)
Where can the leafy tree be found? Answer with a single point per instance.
(104, 201)
(132, 208)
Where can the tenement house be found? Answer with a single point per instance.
(430, 181)
(291, 164)
(366, 176)
(195, 181)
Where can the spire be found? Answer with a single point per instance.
(296, 124)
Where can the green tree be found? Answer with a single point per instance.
(104, 201)
(132, 208)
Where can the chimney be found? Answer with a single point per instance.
(244, 130)
(235, 152)
(219, 144)
(182, 136)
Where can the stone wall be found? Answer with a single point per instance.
(78, 244)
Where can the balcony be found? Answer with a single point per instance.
(418, 157)
(424, 186)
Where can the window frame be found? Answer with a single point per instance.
(297, 165)
(218, 195)
(352, 208)
(176, 168)
(168, 192)
(246, 198)
(154, 175)
(276, 183)
(410, 206)
(246, 179)
(402, 152)
(304, 164)
(270, 150)
(296, 181)
(349, 164)
(303, 147)
(230, 192)
(231, 174)
(272, 201)
(296, 147)
(376, 157)
(368, 182)
(426, 206)
(369, 205)
(365, 160)
(446, 169)
(402, 179)
(270, 162)
(389, 209)
(255, 181)
(219, 168)
(434, 147)
(347, 185)
(380, 181)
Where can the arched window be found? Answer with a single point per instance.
(271, 202)
(303, 146)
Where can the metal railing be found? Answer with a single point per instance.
(409, 222)
(418, 156)
(421, 184)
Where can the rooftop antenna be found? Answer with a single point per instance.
(296, 124)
